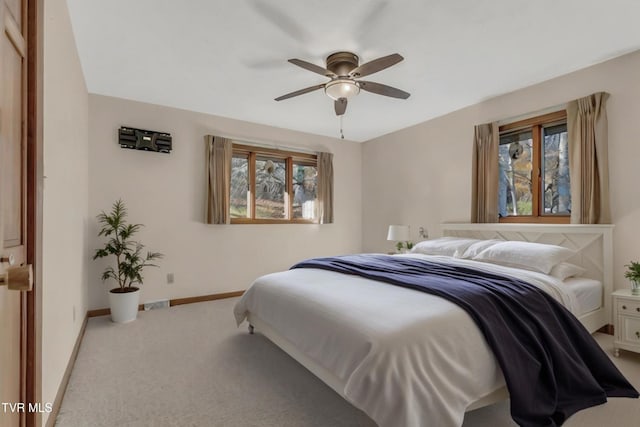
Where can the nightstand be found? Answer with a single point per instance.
(626, 318)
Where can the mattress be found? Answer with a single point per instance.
(588, 293)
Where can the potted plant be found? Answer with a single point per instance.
(400, 246)
(130, 261)
(633, 274)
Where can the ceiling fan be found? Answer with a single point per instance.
(344, 71)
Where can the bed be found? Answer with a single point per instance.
(388, 337)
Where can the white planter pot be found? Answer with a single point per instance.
(124, 306)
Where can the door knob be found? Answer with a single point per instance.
(8, 259)
(18, 278)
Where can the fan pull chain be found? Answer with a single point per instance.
(341, 132)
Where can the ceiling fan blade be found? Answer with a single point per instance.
(369, 17)
(376, 65)
(282, 21)
(340, 106)
(300, 92)
(312, 67)
(385, 90)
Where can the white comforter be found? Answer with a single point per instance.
(406, 358)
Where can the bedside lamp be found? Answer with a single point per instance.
(399, 234)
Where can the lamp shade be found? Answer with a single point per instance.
(398, 233)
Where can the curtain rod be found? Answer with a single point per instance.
(266, 144)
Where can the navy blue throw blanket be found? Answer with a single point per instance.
(552, 365)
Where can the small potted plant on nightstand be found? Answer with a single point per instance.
(130, 261)
(403, 247)
(633, 274)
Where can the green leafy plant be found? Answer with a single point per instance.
(130, 261)
(633, 271)
(402, 245)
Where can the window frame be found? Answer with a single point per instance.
(536, 124)
(289, 157)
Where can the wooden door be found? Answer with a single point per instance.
(13, 156)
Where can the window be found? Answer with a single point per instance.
(305, 182)
(272, 186)
(533, 180)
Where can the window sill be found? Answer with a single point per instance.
(272, 221)
(559, 219)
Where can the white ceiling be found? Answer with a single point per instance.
(228, 58)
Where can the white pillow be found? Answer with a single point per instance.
(477, 247)
(564, 270)
(447, 246)
(530, 256)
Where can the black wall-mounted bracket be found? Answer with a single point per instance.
(147, 140)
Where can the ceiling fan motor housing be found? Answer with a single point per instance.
(341, 63)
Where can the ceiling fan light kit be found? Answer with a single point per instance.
(343, 69)
(341, 88)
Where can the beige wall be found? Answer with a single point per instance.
(167, 194)
(421, 175)
(65, 197)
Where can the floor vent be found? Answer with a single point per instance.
(152, 305)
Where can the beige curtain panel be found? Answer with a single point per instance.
(589, 159)
(219, 154)
(325, 188)
(484, 191)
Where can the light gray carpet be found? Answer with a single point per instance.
(190, 366)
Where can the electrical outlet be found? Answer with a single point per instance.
(170, 278)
